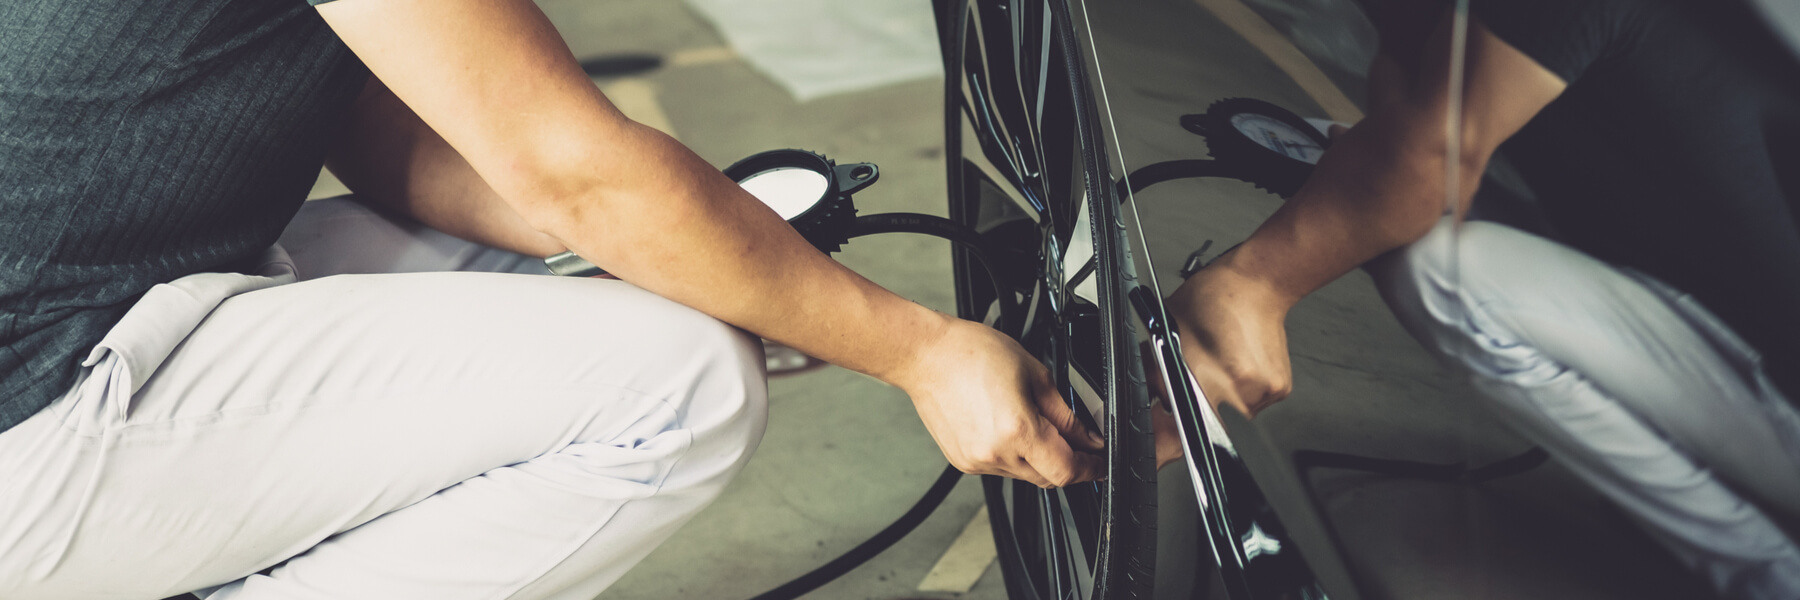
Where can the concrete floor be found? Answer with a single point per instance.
(844, 454)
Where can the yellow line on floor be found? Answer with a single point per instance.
(688, 57)
(966, 559)
(1291, 60)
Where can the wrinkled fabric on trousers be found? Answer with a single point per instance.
(352, 422)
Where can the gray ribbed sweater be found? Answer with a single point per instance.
(141, 142)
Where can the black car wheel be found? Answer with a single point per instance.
(1027, 170)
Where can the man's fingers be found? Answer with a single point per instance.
(1057, 463)
(1018, 469)
(1152, 370)
(1022, 471)
(1220, 388)
(1042, 457)
(1168, 437)
(1061, 416)
(1215, 386)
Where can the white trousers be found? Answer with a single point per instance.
(1629, 383)
(430, 435)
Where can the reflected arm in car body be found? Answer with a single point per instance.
(1381, 185)
(495, 83)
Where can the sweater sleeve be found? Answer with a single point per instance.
(1567, 37)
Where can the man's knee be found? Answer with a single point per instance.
(735, 359)
(705, 378)
(700, 395)
(727, 403)
(1430, 283)
(1461, 293)
(1416, 283)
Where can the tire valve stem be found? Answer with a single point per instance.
(1195, 260)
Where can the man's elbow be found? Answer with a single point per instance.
(1422, 187)
(1392, 175)
(557, 212)
(1410, 219)
(564, 181)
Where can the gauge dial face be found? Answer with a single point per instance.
(1278, 137)
(788, 190)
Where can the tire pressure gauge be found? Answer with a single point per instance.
(808, 190)
(1259, 142)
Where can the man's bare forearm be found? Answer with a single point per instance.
(657, 215)
(645, 215)
(1380, 186)
(1383, 183)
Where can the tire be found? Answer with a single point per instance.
(1024, 157)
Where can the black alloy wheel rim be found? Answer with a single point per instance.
(1024, 158)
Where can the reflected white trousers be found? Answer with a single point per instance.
(429, 435)
(1629, 383)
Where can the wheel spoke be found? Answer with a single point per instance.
(1010, 554)
(1028, 528)
(1056, 560)
(1016, 99)
(1084, 515)
(1083, 571)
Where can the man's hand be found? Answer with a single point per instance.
(994, 410)
(1162, 417)
(1233, 338)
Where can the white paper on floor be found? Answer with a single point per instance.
(821, 47)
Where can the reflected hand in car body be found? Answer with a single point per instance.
(1381, 185)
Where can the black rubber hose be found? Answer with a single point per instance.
(946, 481)
(1170, 170)
(1306, 460)
(904, 222)
(933, 497)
